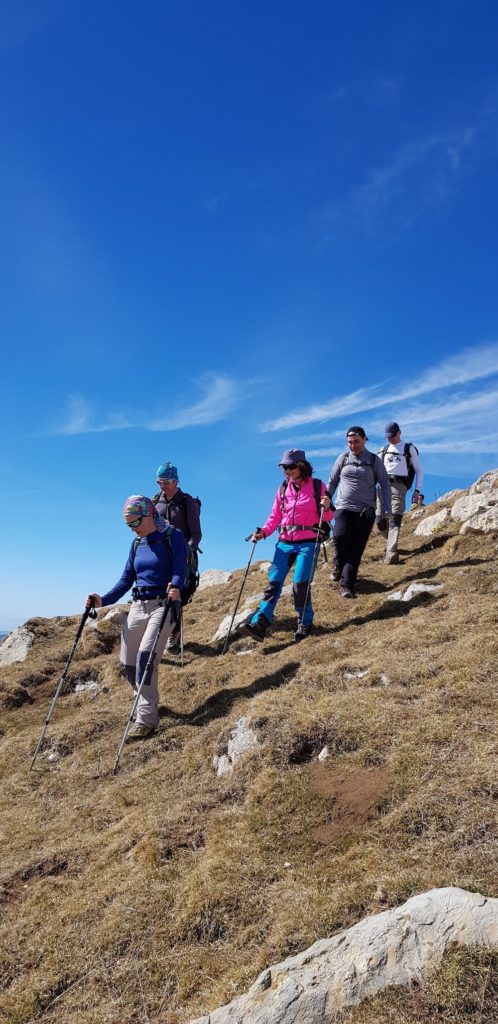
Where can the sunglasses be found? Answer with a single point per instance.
(135, 522)
(287, 469)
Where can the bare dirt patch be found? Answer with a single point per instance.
(353, 799)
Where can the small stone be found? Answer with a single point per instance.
(287, 864)
(413, 590)
(87, 685)
(384, 680)
(324, 754)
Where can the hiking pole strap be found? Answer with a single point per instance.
(148, 667)
(240, 592)
(88, 613)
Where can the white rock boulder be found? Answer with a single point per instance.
(398, 947)
(432, 524)
(451, 496)
(239, 621)
(16, 646)
(469, 505)
(486, 484)
(243, 738)
(413, 590)
(482, 522)
(213, 578)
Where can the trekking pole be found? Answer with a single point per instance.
(88, 613)
(241, 589)
(150, 661)
(314, 562)
(181, 636)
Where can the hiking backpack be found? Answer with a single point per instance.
(182, 502)
(406, 452)
(190, 574)
(317, 491)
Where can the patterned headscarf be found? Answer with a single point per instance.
(139, 505)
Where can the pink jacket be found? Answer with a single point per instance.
(299, 509)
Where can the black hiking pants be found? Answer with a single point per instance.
(351, 532)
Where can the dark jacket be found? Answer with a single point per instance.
(183, 512)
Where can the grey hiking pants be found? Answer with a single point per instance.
(137, 640)
(398, 501)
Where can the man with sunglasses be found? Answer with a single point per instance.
(356, 473)
(154, 569)
(182, 511)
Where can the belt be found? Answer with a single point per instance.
(400, 479)
(143, 594)
(294, 529)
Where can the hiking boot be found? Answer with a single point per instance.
(257, 629)
(335, 576)
(347, 592)
(172, 642)
(302, 631)
(140, 732)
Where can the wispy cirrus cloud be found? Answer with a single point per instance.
(469, 365)
(219, 393)
(220, 397)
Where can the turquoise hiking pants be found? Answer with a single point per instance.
(299, 556)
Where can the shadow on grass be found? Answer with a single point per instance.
(221, 702)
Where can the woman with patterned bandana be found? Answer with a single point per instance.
(154, 569)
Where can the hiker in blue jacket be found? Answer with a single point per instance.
(356, 473)
(154, 568)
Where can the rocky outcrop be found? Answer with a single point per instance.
(396, 947)
(427, 527)
(243, 738)
(413, 590)
(213, 578)
(16, 646)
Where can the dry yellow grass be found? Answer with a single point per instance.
(160, 893)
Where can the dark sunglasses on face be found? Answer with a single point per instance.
(135, 522)
(287, 469)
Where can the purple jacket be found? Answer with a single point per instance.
(299, 509)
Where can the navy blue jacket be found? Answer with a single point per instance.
(149, 566)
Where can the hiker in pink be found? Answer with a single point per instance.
(298, 505)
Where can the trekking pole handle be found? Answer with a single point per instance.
(251, 534)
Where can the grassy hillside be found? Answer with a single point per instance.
(160, 893)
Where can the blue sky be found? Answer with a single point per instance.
(228, 229)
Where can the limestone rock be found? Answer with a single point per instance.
(213, 578)
(16, 646)
(433, 523)
(117, 614)
(451, 496)
(413, 590)
(264, 566)
(240, 620)
(469, 505)
(396, 947)
(420, 511)
(242, 739)
(486, 484)
(482, 522)
(323, 755)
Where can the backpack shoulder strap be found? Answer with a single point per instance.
(282, 489)
(382, 453)
(317, 489)
(156, 497)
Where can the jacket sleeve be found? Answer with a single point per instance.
(417, 465)
(178, 552)
(335, 475)
(193, 523)
(126, 580)
(275, 517)
(382, 479)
